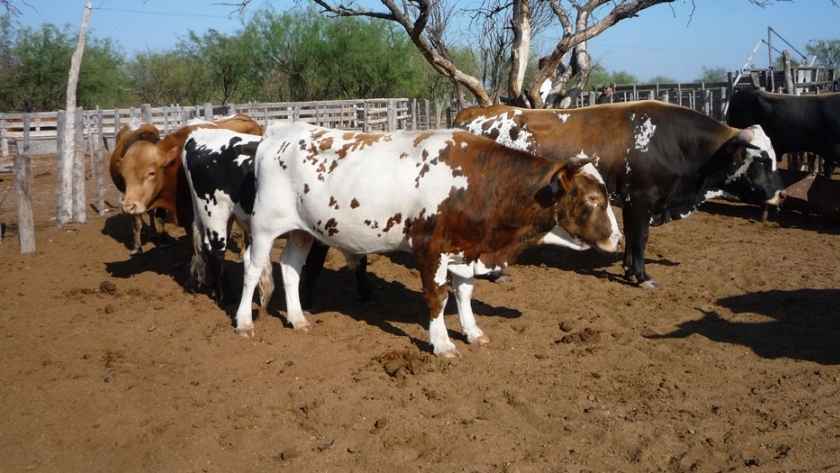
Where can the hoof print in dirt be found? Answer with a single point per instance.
(402, 363)
(107, 287)
(587, 335)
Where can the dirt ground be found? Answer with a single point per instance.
(112, 363)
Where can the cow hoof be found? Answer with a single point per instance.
(245, 332)
(482, 340)
(453, 353)
(503, 279)
(649, 284)
(303, 328)
(136, 252)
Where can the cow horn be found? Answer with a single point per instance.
(575, 163)
(745, 137)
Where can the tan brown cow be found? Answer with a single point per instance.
(153, 173)
(127, 136)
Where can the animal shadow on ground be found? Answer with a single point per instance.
(393, 303)
(785, 218)
(119, 227)
(806, 325)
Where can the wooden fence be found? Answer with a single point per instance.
(363, 115)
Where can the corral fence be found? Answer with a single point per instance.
(361, 115)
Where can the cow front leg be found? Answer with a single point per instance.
(636, 233)
(136, 229)
(157, 221)
(291, 265)
(436, 294)
(462, 285)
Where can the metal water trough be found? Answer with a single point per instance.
(811, 194)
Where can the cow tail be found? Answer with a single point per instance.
(198, 264)
(266, 285)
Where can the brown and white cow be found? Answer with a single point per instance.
(659, 161)
(463, 205)
(127, 136)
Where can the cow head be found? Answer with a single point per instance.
(752, 174)
(144, 170)
(584, 215)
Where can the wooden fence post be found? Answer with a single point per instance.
(79, 198)
(23, 196)
(100, 137)
(64, 193)
(146, 113)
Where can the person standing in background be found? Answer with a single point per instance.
(606, 95)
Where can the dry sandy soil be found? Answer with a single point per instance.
(112, 363)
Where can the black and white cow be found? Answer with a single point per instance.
(793, 123)
(463, 205)
(659, 161)
(219, 167)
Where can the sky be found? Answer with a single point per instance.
(665, 40)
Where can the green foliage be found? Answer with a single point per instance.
(713, 74)
(601, 76)
(35, 63)
(827, 52)
(306, 56)
(660, 79)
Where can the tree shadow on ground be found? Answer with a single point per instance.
(806, 324)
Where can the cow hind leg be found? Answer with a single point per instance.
(358, 263)
(311, 270)
(257, 256)
(291, 265)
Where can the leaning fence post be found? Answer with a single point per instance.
(23, 196)
(100, 137)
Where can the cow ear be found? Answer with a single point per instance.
(559, 185)
(745, 137)
(170, 156)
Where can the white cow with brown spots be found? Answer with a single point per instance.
(463, 205)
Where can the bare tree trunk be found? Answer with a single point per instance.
(67, 154)
(521, 23)
(582, 66)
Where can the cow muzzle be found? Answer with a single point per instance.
(133, 208)
(777, 198)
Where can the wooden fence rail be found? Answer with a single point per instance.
(363, 115)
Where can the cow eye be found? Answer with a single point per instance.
(150, 175)
(595, 200)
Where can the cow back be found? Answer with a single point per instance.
(368, 193)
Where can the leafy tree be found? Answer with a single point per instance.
(43, 57)
(102, 75)
(827, 52)
(713, 74)
(660, 79)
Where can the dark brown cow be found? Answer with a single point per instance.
(463, 205)
(659, 161)
(793, 123)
